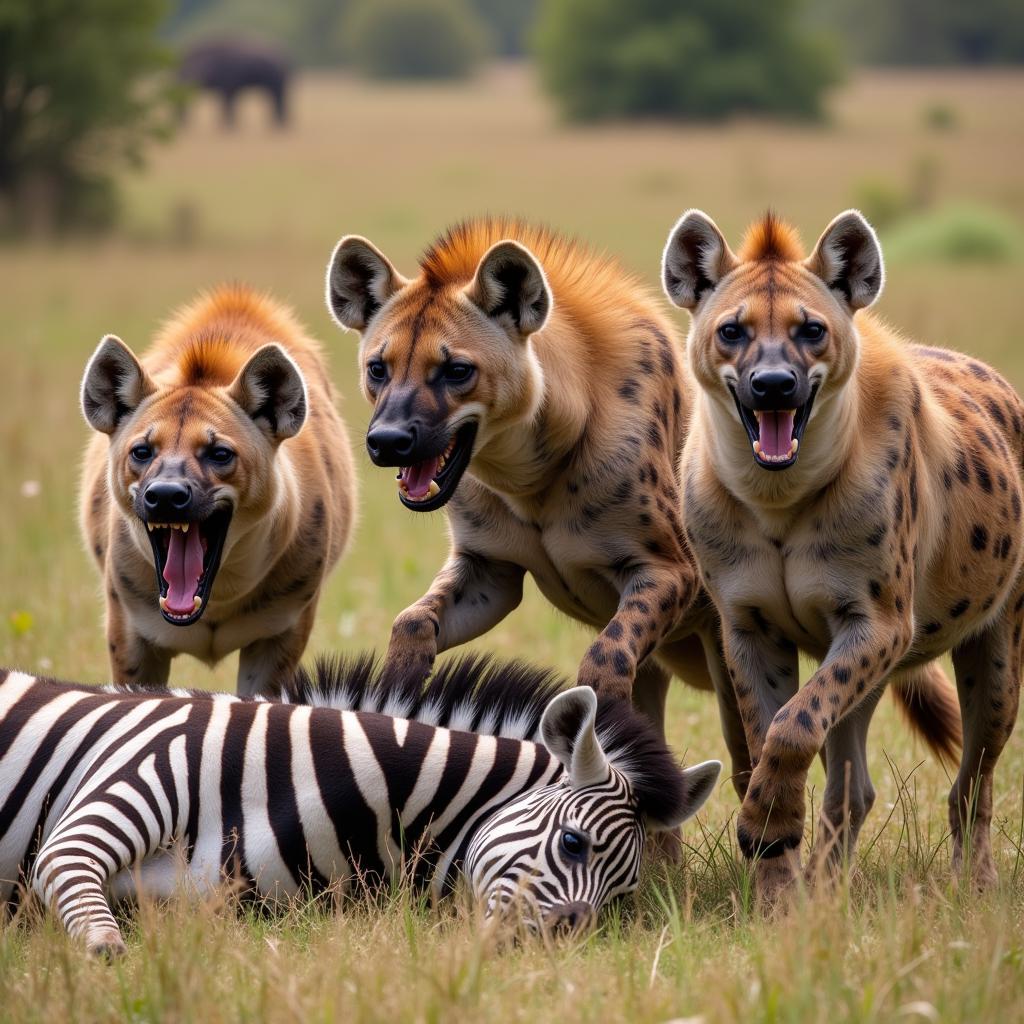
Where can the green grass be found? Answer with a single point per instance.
(397, 164)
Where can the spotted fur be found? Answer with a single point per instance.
(896, 535)
(580, 397)
(233, 369)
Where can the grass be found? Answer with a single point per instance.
(896, 941)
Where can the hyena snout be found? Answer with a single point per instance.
(776, 387)
(167, 500)
(390, 444)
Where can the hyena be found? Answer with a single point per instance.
(854, 495)
(536, 390)
(225, 469)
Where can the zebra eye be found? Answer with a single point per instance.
(573, 844)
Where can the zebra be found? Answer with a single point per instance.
(539, 796)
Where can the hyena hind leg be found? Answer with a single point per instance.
(988, 669)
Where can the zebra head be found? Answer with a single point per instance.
(558, 853)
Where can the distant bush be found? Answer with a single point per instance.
(939, 117)
(414, 38)
(701, 59)
(959, 233)
(80, 94)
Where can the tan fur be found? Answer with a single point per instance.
(293, 499)
(894, 538)
(573, 475)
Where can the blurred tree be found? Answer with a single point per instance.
(929, 31)
(510, 23)
(78, 95)
(414, 38)
(683, 58)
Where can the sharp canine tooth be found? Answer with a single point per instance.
(197, 603)
(184, 527)
(793, 446)
(150, 527)
(433, 490)
(163, 603)
(757, 447)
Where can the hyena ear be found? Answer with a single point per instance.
(509, 283)
(848, 258)
(698, 784)
(271, 390)
(695, 259)
(567, 728)
(113, 385)
(360, 279)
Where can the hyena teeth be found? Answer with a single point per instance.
(150, 527)
(184, 527)
(197, 603)
(433, 490)
(163, 603)
(793, 446)
(757, 447)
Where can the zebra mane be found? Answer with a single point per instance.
(473, 693)
(494, 697)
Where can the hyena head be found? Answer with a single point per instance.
(191, 462)
(446, 359)
(555, 856)
(773, 336)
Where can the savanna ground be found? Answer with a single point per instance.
(896, 940)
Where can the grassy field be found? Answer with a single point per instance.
(896, 940)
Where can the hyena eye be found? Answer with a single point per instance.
(220, 455)
(376, 370)
(142, 453)
(458, 373)
(810, 331)
(732, 333)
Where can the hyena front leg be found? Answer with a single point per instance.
(652, 603)
(265, 665)
(469, 596)
(133, 659)
(771, 821)
(988, 668)
(849, 794)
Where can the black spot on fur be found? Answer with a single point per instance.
(979, 537)
(959, 608)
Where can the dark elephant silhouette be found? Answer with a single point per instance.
(228, 67)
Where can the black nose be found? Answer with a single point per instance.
(167, 499)
(777, 385)
(389, 446)
(566, 918)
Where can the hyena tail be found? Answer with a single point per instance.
(929, 703)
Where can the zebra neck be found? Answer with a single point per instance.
(417, 792)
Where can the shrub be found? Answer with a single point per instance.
(960, 233)
(414, 38)
(702, 59)
(78, 96)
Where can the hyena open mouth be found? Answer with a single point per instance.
(775, 434)
(427, 485)
(187, 557)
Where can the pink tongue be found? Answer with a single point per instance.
(776, 431)
(182, 569)
(417, 478)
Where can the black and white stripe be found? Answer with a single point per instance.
(484, 770)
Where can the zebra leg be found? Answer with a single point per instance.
(72, 884)
(86, 849)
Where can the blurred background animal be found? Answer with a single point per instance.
(231, 67)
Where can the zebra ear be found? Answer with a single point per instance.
(568, 730)
(698, 783)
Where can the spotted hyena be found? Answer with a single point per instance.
(857, 496)
(218, 491)
(536, 390)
